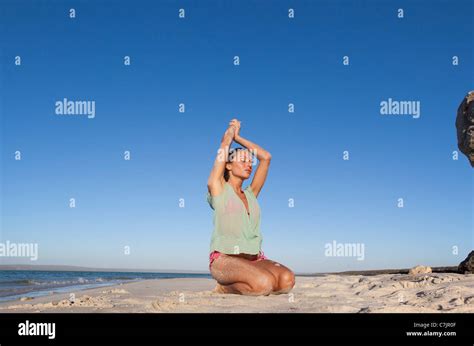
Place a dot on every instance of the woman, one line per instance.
(236, 261)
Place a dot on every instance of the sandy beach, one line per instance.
(398, 293)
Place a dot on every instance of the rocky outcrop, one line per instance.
(419, 270)
(467, 266)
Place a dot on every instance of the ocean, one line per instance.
(15, 284)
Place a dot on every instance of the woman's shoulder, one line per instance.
(220, 197)
(249, 189)
(217, 188)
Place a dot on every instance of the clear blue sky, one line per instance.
(135, 203)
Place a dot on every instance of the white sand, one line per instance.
(329, 293)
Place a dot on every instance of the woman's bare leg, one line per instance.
(240, 276)
(284, 277)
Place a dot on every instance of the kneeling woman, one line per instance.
(236, 260)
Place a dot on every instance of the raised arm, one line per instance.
(215, 182)
(264, 158)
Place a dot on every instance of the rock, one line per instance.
(469, 300)
(23, 299)
(467, 266)
(364, 310)
(419, 270)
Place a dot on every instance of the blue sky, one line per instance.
(136, 203)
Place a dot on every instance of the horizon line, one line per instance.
(59, 268)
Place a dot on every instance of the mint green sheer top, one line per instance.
(235, 231)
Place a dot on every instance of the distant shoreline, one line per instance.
(45, 267)
(20, 267)
(452, 269)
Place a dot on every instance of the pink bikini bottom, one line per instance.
(215, 254)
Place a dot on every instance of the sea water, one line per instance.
(34, 283)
